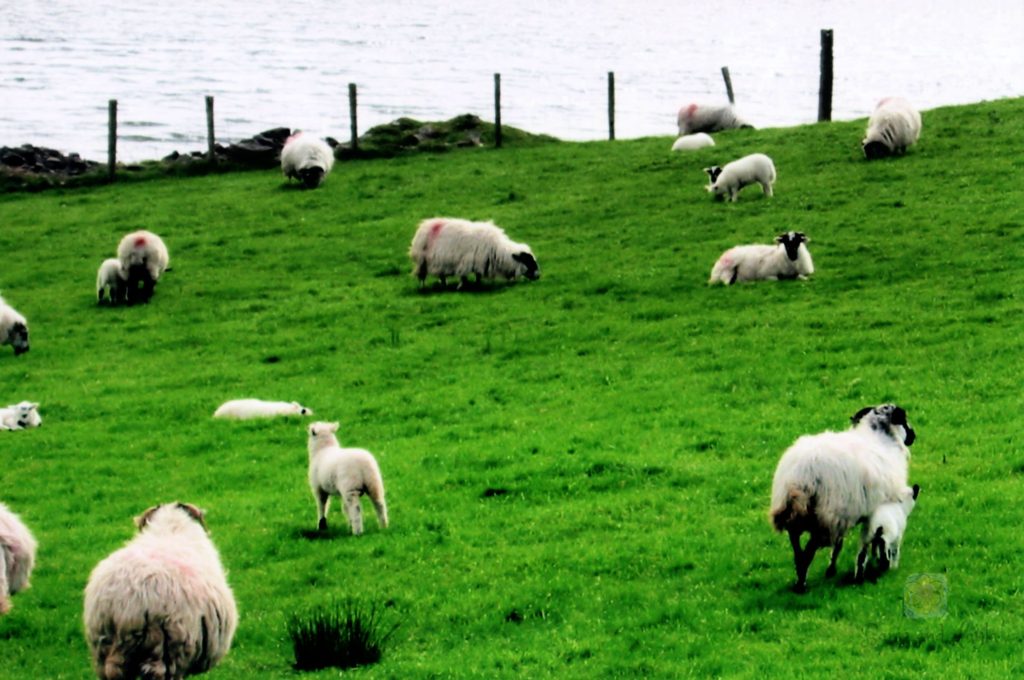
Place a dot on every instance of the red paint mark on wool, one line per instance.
(691, 109)
(435, 229)
(140, 242)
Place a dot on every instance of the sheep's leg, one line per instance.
(463, 281)
(5, 601)
(831, 570)
(322, 500)
(803, 558)
(444, 280)
(354, 511)
(862, 559)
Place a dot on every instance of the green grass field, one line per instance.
(578, 469)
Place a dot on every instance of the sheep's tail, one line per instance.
(153, 653)
(724, 271)
(797, 504)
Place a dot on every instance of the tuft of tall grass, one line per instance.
(341, 634)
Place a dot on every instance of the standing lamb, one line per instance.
(20, 416)
(244, 409)
(306, 159)
(112, 280)
(698, 140)
(447, 246)
(348, 473)
(13, 328)
(787, 259)
(143, 258)
(894, 125)
(826, 483)
(883, 534)
(17, 556)
(755, 168)
(160, 607)
(709, 118)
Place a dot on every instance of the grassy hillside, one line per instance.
(577, 469)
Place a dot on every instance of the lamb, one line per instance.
(698, 140)
(20, 416)
(826, 483)
(244, 409)
(348, 473)
(893, 126)
(112, 281)
(17, 557)
(709, 118)
(306, 159)
(447, 246)
(788, 259)
(883, 534)
(160, 607)
(13, 328)
(755, 168)
(143, 258)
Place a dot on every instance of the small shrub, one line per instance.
(342, 634)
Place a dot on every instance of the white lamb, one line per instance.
(244, 409)
(17, 556)
(13, 328)
(447, 246)
(709, 118)
(20, 416)
(143, 258)
(306, 159)
(348, 473)
(160, 607)
(893, 126)
(787, 259)
(826, 483)
(111, 281)
(756, 168)
(883, 534)
(698, 140)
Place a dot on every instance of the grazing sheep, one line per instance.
(244, 409)
(447, 246)
(883, 534)
(13, 328)
(893, 126)
(692, 142)
(348, 473)
(17, 556)
(20, 416)
(160, 607)
(709, 118)
(306, 159)
(787, 259)
(755, 168)
(826, 483)
(112, 281)
(143, 258)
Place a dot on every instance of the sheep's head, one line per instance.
(311, 177)
(791, 240)
(302, 410)
(876, 149)
(168, 510)
(18, 337)
(713, 172)
(321, 434)
(28, 416)
(888, 418)
(526, 265)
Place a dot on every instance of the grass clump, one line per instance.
(341, 635)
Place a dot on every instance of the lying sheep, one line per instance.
(112, 281)
(755, 168)
(306, 159)
(13, 328)
(709, 118)
(893, 126)
(17, 556)
(698, 140)
(447, 246)
(348, 473)
(160, 607)
(826, 483)
(883, 533)
(143, 258)
(244, 409)
(787, 259)
(20, 416)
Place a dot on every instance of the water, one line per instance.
(289, 64)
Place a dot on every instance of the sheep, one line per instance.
(244, 409)
(160, 607)
(13, 328)
(709, 118)
(893, 126)
(17, 557)
(111, 280)
(348, 473)
(826, 483)
(143, 258)
(698, 140)
(755, 168)
(447, 246)
(20, 416)
(787, 259)
(306, 159)
(883, 533)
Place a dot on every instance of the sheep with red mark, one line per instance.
(709, 118)
(144, 258)
(13, 328)
(893, 126)
(787, 259)
(17, 556)
(348, 473)
(306, 159)
(448, 246)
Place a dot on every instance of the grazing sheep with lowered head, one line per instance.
(13, 328)
(160, 607)
(244, 409)
(883, 533)
(20, 416)
(756, 168)
(306, 159)
(893, 126)
(447, 246)
(709, 118)
(698, 140)
(348, 473)
(17, 556)
(112, 281)
(787, 259)
(144, 259)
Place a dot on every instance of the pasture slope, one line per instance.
(577, 469)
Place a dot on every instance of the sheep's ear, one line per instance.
(780, 238)
(856, 417)
(142, 520)
(194, 512)
(917, 490)
(333, 427)
(898, 417)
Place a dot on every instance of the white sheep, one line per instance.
(306, 159)
(826, 483)
(20, 416)
(709, 118)
(883, 533)
(17, 556)
(244, 409)
(111, 281)
(698, 140)
(348, 473)
(893, 126)
(756, 168)
(160, 607)
(787, 259)
(144, 259)
(13, 328)
(447, 246)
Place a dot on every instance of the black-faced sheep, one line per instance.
(306, 159)
(111, 281)
(709, 118)
(787, 259)
(348, 473)
(244, 409)
(17, 556)
(446, 246)
(13, 328)
(893, 126)
(756, 168)
(144, 259)
(883, 533)
(20, 416)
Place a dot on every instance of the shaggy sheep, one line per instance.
(883, 534)
(160, 607)
(111, 280)
(893, 126)
(704, 118)
(348, 473)
(17, 557)
(697, 140)
(306, 159)
(143, 258)
(787, 259)
(446, 246)
(20, 416)
(244, 409)
(755, 168)
(826, 483)
(13, 328)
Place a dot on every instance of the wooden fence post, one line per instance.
(497, 110)
(111, 139)
(825, 90)
(352, 115)
(728, 84)
(611, 105)
(211, 140)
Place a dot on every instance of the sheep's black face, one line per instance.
(529, 265)
(713, 172)
(791, 241)
(19, 338)
(875, 150)
(887, 418)
(311, 177)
